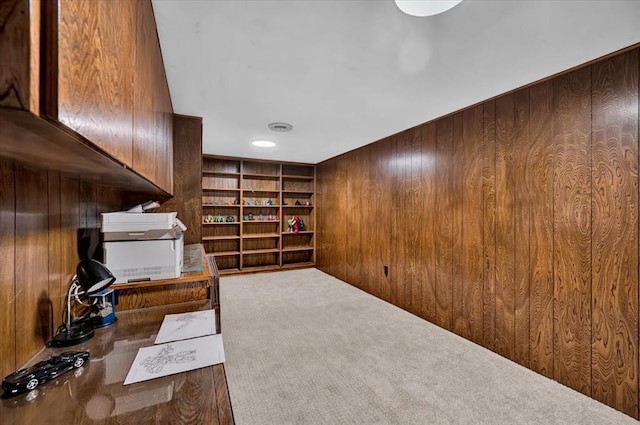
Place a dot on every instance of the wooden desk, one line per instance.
(95, 394)
(188, 287)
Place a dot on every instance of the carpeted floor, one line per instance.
(305, 348)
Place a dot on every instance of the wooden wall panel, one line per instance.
(444, 225)
(505, 227)
(540, 191)
(32, 271)
(527, 225)
(614, 232)
(456, 208)
(572, 230)
(7, 268)
(357, 200)
(414, 216)
(382, 230)
(472, 224)
(489, 224)
(427, 231)
(187, 199)
(522, 211)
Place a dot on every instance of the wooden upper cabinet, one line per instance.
(152, 109)
(95, 73)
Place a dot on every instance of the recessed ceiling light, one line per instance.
(425, 7)
(280, 127)
(263, 143)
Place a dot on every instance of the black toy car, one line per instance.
(29, 378)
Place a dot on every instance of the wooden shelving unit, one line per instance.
(258, 198)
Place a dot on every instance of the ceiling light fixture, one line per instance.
(263, 143)
(425, 7)
(280, 127)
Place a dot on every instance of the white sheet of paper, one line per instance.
(175, 357)
(186, 325)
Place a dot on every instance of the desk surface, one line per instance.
(95, 394)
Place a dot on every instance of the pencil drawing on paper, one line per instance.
(155, 364)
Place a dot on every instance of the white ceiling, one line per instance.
(348, 73)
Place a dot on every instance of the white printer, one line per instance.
(141, 246)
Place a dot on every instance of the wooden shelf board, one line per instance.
(300, 192)
(260, 176)
(260, 235)
(296, 177)
(219, 238)
(220, 189)
(224, 253)
(261, 206)
(304, 232)
(221, 205)
(260, 251)
(261, 221)
(220, 173)
(276, 191)
(297, 206)
(260, 268)
(224, 223)
(303, 264)
(230, 271)
(298, 249)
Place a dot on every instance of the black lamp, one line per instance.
(91, 277)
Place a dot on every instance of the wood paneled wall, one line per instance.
(513, 223)
(41, 213)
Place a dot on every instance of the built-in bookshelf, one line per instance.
(258, 215)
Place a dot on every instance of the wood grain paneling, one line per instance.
(444, 225)
(146, 53)
(522, 211)
(614, 232)
(382, 230)
(188, 176)
(427, 229)
(14, 45)
(505, 227)
(95, 73)
(358, 198)
(527, 225)
(472, 224)
(540, 191)
(32, 269)
(572, 230)
(489, 224)
(457, 234)
(7, 268)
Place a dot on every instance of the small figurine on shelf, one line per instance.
(294, 224)
(258, 202)
(231, 219)
(269, 201)
(270, 217)
(219, 219)
(300, 224)
(249, 201)
(244, 202)
(298, 203)
(250, 216)
(244, 217)
(260, 216)
(236, 202)
(208, 218)
(307, 203)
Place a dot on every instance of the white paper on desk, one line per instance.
(186, 325)
(175, 357)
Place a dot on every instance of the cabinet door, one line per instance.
(152, 110)
(95, 73)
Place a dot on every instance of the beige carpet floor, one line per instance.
(305, 348)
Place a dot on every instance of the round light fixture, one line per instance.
(280, 127)
(425, 7)
(263, 143)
